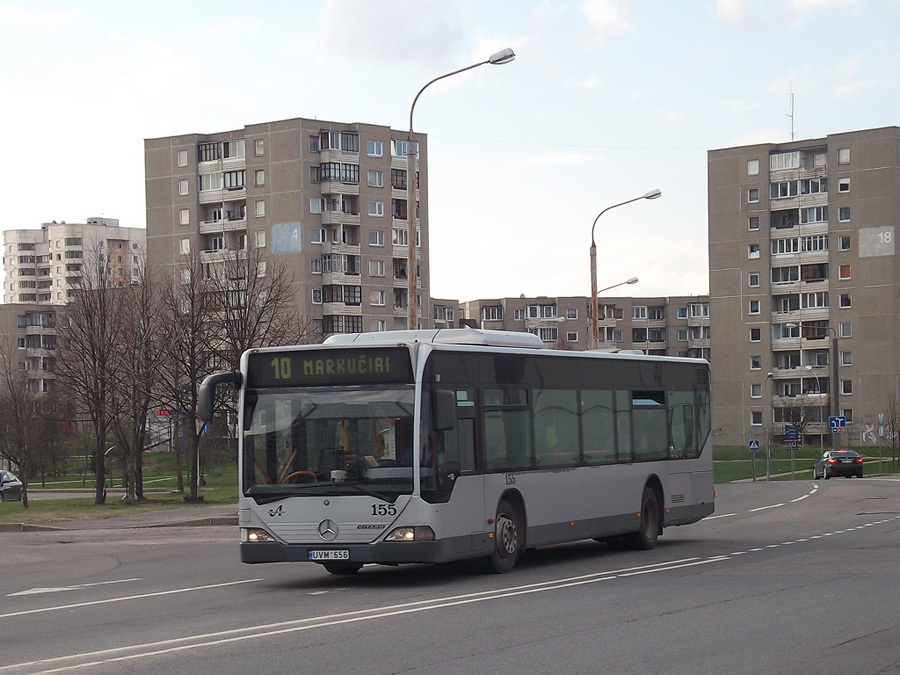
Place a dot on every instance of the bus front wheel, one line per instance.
(645, 538)
(507, 542)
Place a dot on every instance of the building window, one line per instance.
(210, 181)
(376, 268)
(259, 177)
(682, 335)
(259, 147)
(374, 148)
(398, 179)
(843, 155)
(752, 167)
(350, 142)
(843, 185)
(639, 312)
(182, 158)
(845, 301)
(318, 235)
(754, 307)
(184, 217)
(845, 329)
(844, 272)
(376, 298)
(847, 414)
(376, 178)
(317, 205)
(844, 242)
(571, 313)
(183, 187)
(755, 334)
(753, 195)
(814, 214)
(755, 363)
(846, 387)
(752, 251)
(259, 208)
(753, 223)
(400, 237)
(846, 358)
(755, 391)
(317, 296)
(756, 418)
(844, 214)
(259, 239)
(376, 237)
(376, 208)
(314, 144)
(753, 280)
(492, 313)
(784, 160)
(184, 246)
(571, 336)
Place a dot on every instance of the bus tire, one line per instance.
(645, 538)
(342, 568)
(507, 539)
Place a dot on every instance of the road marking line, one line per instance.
(61, 589)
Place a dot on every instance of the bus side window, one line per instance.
(598, 427)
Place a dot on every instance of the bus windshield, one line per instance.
(328, 440)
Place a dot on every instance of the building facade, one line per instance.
(327, 200)
(676, 326)
(805, 286)
(46, 265)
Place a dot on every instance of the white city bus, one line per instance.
(438, 445)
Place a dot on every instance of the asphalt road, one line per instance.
(784, 578)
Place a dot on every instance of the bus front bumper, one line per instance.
(385, 553)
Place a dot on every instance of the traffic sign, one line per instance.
(837, 423)
(791, 432)
(754, 445)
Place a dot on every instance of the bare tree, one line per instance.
(890, 430)
(87, 347)
(20, 421)
(138, 356)
(213, 313)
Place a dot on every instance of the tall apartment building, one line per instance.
(327, 200)
(45, 266)
(805, 285)
(677, 326)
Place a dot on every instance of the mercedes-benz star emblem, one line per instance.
(328, 530)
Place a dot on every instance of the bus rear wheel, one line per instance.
(645, 538)
(507, 539)
(342, 568)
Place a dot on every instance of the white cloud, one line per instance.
(851, 89)
(606, 18)
(808, 6)
(15, 16)
(588, 82)
(558, 158)
(731, 11)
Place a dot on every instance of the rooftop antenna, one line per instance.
(791, 114)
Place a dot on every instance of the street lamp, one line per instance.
(632, 280)
(768, 414)
(821, 409)
(653, 194)
(498, 59)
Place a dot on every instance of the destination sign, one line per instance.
(320, 367)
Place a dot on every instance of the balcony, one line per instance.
(227, 225)
(340, 218)
(222, 255)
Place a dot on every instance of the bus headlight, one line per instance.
(255, 535)
(419, 533)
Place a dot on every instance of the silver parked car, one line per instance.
(10, 487)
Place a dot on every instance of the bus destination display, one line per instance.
(320, 367)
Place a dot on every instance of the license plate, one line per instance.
(342, 554)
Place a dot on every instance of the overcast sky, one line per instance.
(606, 100)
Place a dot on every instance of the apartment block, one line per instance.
(805, 286)
(46, 265)
(676, 326)
(28, 336)
(327, 200)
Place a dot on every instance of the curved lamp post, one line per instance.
(653, 194)
(498, 59)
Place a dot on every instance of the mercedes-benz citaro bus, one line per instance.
(431, 446)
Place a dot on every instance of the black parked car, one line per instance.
(10, 487)
(838, 463)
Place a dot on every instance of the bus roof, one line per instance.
(445, 336)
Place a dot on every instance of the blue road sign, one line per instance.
(837, 423)
(754, 445)
(791, 432)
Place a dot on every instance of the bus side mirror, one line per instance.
(443, 413)
(207, 394)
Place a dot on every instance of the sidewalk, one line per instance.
(186, 516)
